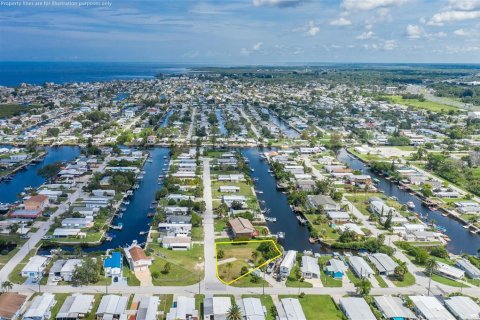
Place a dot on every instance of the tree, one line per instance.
(364, 287)
(220, 254)
(234, 313)
(50, 170)
(53, 132)
(166, 268)
(7, 286)
(427, 190)
(430, 267)
(87, 272)
(13, 228)
(400, 271)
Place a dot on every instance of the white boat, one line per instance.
(271, 219)
(259, 191)
(410, 205)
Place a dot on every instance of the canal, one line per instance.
(462, 241)
(221, 122)
(284, 127)
(296, 235)
(164, 121)
(9, 190)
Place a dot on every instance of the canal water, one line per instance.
(164, 120)
(9, 190)
(221, 122)
(462, 241)
(296, 235)
(283, 126)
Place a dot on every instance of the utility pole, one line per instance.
(199, 287)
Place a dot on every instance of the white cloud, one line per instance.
(465, 5)
(257, 46)
(441, 18)
(461, 33)
(312, 29)
(369, 4)
(414, 31)
(389, 45)
(277, 3)
(366, 35)
(340, 22)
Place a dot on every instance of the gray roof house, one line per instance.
(328, 204)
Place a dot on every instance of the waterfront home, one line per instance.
(294, 169)
(429, 308)
(426, 236)
(68, 232)
(86, 222)
(184, 175)
(179, 197)
(104, 193)
(136, 257)
(448, 271)
(112, 307)
(307, 185)
(216, 307)
(291, 309)
(381, 209)
(287, 263)
(40, 307)
(338, 216)
(302, 176)
(68, 268)
(112, 266)
(230, 199)
(85, 211)
(351, 227)
(174, 210)
(470, 270)
(392, 308)
(360, 267)
(12, 305)
(174, 229)
(76, 307)
(463, 308)
(242, 228)
(25, 214)
(413, 227)
(231, 177)
(176, 242)
(336, 268)
(229, 189)
(467, 207)
(148, 308)
(35, 267)
(356, 309)
(310, 268)
(253, 309)
(51, 194)
(445, 193)
(384, 264)
(37, 202)
(322, 201)
(183, 309)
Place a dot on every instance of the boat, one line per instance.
(281, 235)
(143, 233)
(259, 191)
(271, 219)
(445, 214)
(394, 198)
(150, 160)
(119, 226)
(466, 226)
(164, 157)
(411, 205)
(150, 215)
(252, 170)
(126, 202)
(307, 252)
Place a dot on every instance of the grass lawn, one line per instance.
(16, 276)
(245, 189)
(293, 282)
(353, 278)
(240, 255)
(219, 225)
(446, 281)
(329, 281)
(131, 278)
(267, 302)
(60, 297)
(199, 304)
(8, 110)
(330, 233)
(248, 282)
(91, 315)
(197, 233)
(408, 280)
(381, 282)
(426, 105)
(166, 302)
(318, 307)
(185, 266)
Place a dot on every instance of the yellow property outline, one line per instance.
(240, 242)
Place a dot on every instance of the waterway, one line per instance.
(9, 190)
(296, 235)
(462, 241)
(221, 122)
(165, 119)
(284, 127)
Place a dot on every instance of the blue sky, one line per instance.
(238, 32)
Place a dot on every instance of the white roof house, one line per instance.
(147, 309)
(184, 310)
(288, 262)
(75, 307)
(448, 271)
(253, 309)
(430, 308)
(470, 270)
(293, 309)
(221, 305)
(112, 305)
(35, 266)
(310, 267)
(66, 272)
(356, 309)
(360, 267)
(40, 307)
(463, 308)
(383, 263)
(393, 308)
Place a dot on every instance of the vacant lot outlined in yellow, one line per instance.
(250, 271)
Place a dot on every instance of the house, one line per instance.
(68, 268)
(11, 305)
(229, 189)
(429, 308)
(147, 309)
(448, 271)
(242, 228)
(310, 268)
(392, 308)
(325, 202)
(26, 214)
(384, 264)
(287, 263)
(40, 307)
(177, 242)
(230, 199)
(75, 307)
(183, 309)
(380, 208)
(292, 309)
(86, 222)
(136, 257)
(219, 307)
(470, 270)
(67, 232)
(306, 185)
(336, 268)
(35, 267)
(360, 267)
(112, 307)
(253, 309)
(338, 216)
(112, 266)
(463, 308)
(356, 309)
(37, 202)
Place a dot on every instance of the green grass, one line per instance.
(446, 281)
(166, 302)
(8, 110)
(91, 315)
(131, 278)
(60, 299)
(247, 282)
(426, 105)
(353, 278)
(408, 280)
(293, 282)
(318, 307)
(16, 276)
(197, 233)
(381, 282)
(199, 304)
(329, 281)
(219, 225)
(266, 301)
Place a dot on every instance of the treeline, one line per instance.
(468, 94)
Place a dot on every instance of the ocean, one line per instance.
(15, 73)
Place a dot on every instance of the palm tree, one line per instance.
(234, 313)
(364, 287)
(7, 286)
(430, 267)
(401, 270)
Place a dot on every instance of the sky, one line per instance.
(240, 32)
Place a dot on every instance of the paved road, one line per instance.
(254, 129)
(192, 123)
(211, 281)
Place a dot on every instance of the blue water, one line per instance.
(29, 178)
(221, 122)
(14, 73)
